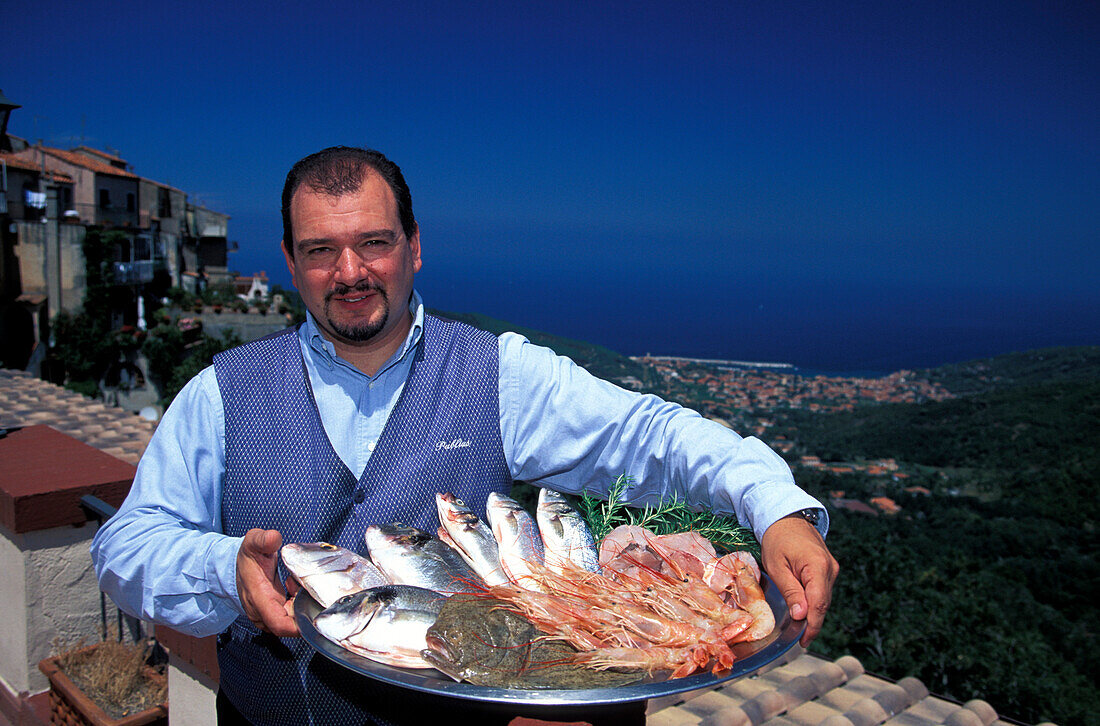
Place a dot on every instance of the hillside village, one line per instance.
(158, 238)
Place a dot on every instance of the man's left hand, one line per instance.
(796, 559)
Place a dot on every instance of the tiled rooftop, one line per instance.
(26, 401)
(19, 163)
(799, 689)
(88, 162)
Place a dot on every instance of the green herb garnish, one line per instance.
(666, 517)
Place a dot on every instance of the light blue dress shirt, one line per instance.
(163, 557)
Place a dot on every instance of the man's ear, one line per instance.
(289, 261)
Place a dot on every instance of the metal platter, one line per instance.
(750, 658)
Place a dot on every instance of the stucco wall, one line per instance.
(13, 637)
(37, 258)
(48, 577)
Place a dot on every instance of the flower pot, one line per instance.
(69, 706)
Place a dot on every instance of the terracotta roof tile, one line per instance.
(27, 401)
(19, 163)
(801, 689)
(88, 162)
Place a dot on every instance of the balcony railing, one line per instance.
(134, 273)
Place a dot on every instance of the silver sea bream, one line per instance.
(410, 556)
(462, 529)
(387, 624)
(565, 534)
(329, 572)
(519, 542)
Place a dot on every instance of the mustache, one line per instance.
(364, 286)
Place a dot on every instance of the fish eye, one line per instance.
(459, 502)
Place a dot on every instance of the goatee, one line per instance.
(359, 331)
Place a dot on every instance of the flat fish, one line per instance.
(410, 556)
(565, 535)
(470, 537)
(480, 641)
(520, 544)
(387, 624)
(328, 572)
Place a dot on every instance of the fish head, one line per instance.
(307, 558)
(350, 614)
(453, 512)
(395, 534)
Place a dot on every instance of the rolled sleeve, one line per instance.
(569, 430)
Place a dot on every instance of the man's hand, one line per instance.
(265, 602)
(798, 562)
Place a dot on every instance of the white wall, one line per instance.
(50, 599)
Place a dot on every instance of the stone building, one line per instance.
(49, 197)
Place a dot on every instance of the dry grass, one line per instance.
(115, 676)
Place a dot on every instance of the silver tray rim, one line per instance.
(751, 657)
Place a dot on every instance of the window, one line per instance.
(131, 203)
(104, 198)
(164, 203)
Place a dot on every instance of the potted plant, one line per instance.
(106, 684)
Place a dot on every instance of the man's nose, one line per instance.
(350, 267)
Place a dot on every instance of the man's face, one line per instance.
(352, 264)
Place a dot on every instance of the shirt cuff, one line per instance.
(221, 573)
(768, 511)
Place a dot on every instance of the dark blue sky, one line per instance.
(841, 185)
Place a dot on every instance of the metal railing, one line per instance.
(134, 273)
(101, 511)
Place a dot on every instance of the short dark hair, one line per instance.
(340, 170)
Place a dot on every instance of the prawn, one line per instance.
(733, 575)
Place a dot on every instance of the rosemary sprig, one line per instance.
(666, 517)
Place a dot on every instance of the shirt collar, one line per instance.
(326, 351)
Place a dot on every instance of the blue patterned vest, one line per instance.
(282, 473)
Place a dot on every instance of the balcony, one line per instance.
(134, 273)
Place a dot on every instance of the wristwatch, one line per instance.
(811, 515)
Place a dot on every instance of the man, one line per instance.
(359, 417)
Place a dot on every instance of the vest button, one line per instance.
(359, 497)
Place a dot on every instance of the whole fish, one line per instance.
(517, 534)
(471, 538)
(409, 556)
(565, 535)
(387, 624)
(329, 572)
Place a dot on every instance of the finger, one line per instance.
(819, 588)
(262, 542)
(791, 589)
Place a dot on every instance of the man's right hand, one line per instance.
(265, 601)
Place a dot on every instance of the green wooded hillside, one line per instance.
(599, 361)
(987, 587)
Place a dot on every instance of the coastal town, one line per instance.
(745, 392)
(757, 399)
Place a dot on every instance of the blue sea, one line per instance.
(839, 322)
(848, 329)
